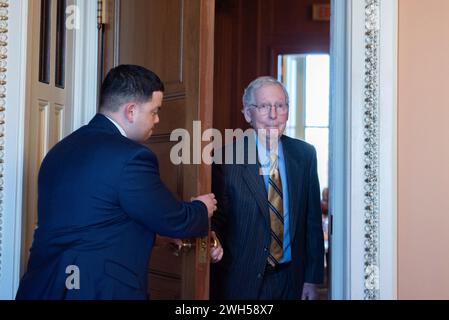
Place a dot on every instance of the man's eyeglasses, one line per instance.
(155, 112)
(264, 109)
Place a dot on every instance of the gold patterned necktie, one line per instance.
(276, 210)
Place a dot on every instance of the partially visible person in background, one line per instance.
(325, 218)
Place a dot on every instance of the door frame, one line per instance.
(205, 115)
(349, 266)
(81, 79)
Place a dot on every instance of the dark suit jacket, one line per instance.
(242, 224)
(101, 202)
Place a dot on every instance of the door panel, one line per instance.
(171, 174)
(158, 30)
(171, 37)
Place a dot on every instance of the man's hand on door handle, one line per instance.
(216, 252)
(210, 202)
(177, 245)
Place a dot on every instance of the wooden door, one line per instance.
(48, 114)
(174, 38)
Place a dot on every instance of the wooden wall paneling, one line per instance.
(225, 70)
(248, 55)
(265, 28)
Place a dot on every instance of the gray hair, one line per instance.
(248, 95)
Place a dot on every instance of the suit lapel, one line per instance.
(257, 186)
(295, 179)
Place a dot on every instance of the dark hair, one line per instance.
(128, 83)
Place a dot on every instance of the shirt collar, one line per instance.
(263, 154)
(118, 126)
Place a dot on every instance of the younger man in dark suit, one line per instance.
(101, 200)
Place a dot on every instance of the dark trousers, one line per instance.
(278, 286)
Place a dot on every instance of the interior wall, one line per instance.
(423, 151)
(249, 34)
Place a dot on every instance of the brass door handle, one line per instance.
(185, 246)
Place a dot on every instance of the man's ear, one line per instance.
(247, 114)
(129, 112)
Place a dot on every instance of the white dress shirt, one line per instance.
(118, 126)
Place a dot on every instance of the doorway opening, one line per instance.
(307, 79)
(289, 40)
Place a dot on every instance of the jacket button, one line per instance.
(259, 276)
(265, 249)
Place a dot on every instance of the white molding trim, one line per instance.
(347, 150)
(356, 147)
(14, 146)
(388, 53)
(339, 152)
(83, 43)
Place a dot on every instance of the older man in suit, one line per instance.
(101, 200)
(269, 217)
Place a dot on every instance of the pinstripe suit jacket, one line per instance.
(242, 224)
